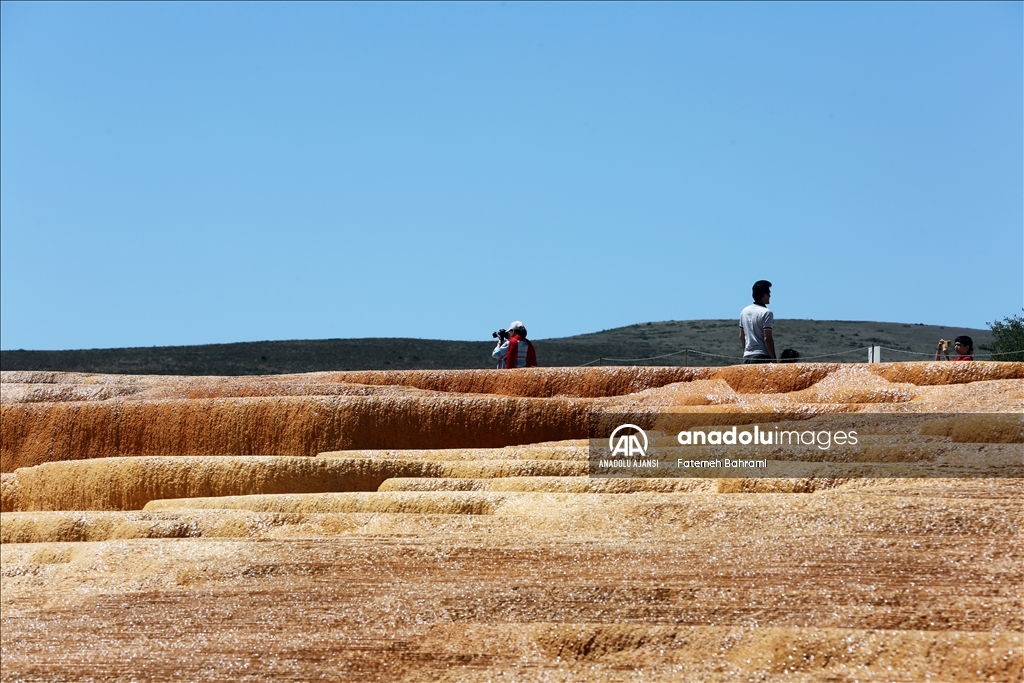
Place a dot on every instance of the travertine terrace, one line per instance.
(442, 525)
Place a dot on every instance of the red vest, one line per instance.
(512, 359)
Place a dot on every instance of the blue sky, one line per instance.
(202, 173)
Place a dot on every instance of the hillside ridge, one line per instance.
(675, 342)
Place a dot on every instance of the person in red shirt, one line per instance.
(963, 347)
(517, 351)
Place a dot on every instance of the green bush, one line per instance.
(1008, 339)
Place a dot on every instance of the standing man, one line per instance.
(756, 323)
(516, 351)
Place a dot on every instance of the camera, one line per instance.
(500, 334)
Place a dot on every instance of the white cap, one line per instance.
(516, 325)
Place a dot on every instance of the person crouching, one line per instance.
(516, 351)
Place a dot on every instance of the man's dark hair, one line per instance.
(790, 356)
(760, 288)
(966, 341)
(521, 331)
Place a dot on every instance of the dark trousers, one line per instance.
(760, 358)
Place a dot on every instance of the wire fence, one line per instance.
(975, 354)
(687, 352)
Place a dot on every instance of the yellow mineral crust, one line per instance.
(441, 525)
(542, 484)
(131, 483)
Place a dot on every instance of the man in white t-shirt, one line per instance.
(756, 323)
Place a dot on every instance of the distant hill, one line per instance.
(709, 342)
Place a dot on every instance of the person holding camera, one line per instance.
(962, 345)
(514, 350)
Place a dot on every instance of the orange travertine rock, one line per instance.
(536, 382)
(543, 484)
(441, 525)
(131, 483)
(52, 416)
(34, 433)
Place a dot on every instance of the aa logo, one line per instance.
(628, 445)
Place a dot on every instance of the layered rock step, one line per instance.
(445, 526)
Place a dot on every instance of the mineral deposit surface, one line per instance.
(442, 525)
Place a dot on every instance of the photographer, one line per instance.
(514, 350)
(962, 345)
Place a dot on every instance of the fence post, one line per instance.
(874, 354)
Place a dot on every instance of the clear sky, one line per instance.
(190, 173)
